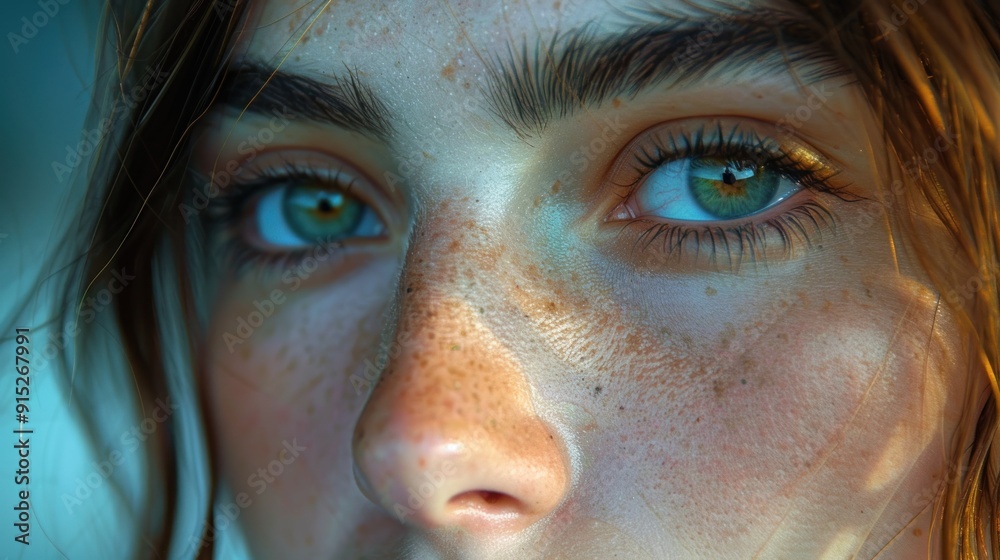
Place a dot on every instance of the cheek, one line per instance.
(825, 406)
(730, 409)
(290, 380)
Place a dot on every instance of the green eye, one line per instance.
(707, 189)
(303, 212)
(315, 213)
(731, 189)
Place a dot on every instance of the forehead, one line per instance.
(456, 39)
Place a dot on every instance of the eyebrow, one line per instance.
(345, 101)
(580, 68)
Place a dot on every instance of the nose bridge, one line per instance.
(449, 435)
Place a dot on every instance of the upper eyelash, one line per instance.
(223, 215)
(748, 235)
(736, 144)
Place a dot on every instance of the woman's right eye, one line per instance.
(305, 212)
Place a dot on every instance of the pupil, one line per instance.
(325, 205)
(728, 177)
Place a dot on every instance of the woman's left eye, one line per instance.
(704, 189)
(302, 213)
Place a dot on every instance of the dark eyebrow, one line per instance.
(581, 68)
(343, 101)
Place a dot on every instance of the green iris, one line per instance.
(728, 189)
(317, 214)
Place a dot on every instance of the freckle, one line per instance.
(719, 388)
(710, 291)
(448, 72)
(466, 85)
(422, 463)
(917, 532)
(621, 408)
(616, 103)
(556, 186)
(597, 390)
(727, 335)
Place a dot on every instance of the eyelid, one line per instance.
(791, 222)
(268, 169)
(701, 137)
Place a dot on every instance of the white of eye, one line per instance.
(273, 228)
(666, 192)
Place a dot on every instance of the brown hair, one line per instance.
(927, 67)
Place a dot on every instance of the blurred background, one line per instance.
(47, 57)
(45, 95)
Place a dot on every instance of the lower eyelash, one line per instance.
(739, 243)
(224, 218)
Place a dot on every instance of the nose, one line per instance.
(449, 436)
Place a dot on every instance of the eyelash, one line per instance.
(225, 214)
(749, 235)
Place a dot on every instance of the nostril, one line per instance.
(490, 497)
(486, 502)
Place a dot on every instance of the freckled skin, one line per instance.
(548, 390)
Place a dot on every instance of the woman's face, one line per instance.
(564, 279)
